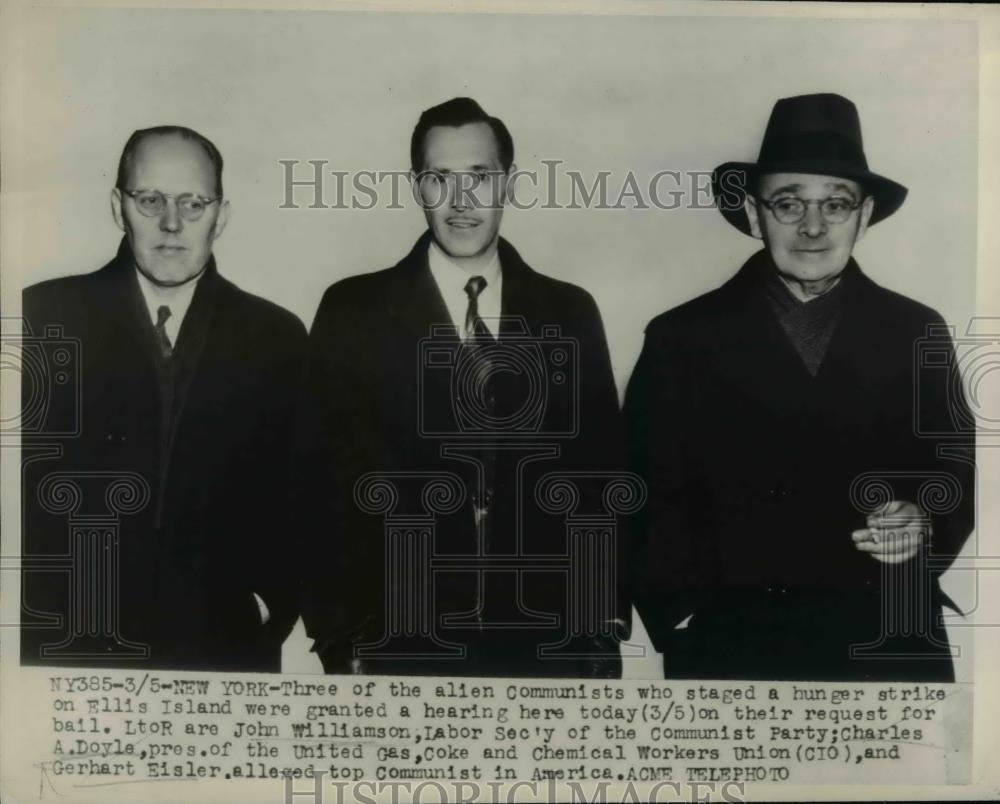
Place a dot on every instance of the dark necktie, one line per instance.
(162, 314)
(477, 341)
(475, 327)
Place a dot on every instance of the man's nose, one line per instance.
(170, 220)
(812, 225)
(459, 187)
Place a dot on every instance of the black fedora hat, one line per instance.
(819, 134)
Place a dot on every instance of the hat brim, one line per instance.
(730, 180)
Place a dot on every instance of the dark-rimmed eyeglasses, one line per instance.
(153, 203)
(791, 209)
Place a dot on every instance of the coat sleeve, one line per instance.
(668, 573)
(602, 397)
(276, 577)
(333, 412)
(946, 429)
(601, 424)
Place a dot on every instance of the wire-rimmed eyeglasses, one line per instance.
(791, 209)
(153, 203)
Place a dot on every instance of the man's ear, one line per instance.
(750, 207)
(221, 219)
(116, 208)
(867, 208)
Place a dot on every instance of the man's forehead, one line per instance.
(170, 162)
(465, 147)
(771, 183)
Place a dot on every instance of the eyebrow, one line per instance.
(173, 195)
(470, 169)
(836, 185)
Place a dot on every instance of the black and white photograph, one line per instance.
(599, 397)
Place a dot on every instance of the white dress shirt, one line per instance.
(451, 279)
(178, 299)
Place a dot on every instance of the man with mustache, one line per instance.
(792, 529)
(184, 402)
(461, 366)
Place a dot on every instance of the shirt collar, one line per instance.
(448, 273)
(178, 299)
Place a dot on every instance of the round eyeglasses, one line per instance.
(792, 209)
(153, 203)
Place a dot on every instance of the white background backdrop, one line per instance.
(598, 92)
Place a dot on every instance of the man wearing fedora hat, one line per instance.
(792, 530)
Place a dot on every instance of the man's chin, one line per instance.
(168, 276)
(811, 270)
(461, 250)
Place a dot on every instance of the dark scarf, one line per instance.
(809, 325)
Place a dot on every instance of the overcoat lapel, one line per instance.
(131, 325)
(849, 359)
(413, 309)
(754, 353)
(414, 303)
(194, 335)
(517, 301)
(760, 355)
(120, 298)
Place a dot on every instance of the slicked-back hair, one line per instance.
(454, 113)
(128, 152)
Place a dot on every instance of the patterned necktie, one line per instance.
(477, 342)
(162, 314)
(475, 327)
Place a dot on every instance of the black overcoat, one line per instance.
(201, 511)
(381, 396)
(758, 473)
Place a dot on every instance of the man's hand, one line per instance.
(895, 533)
